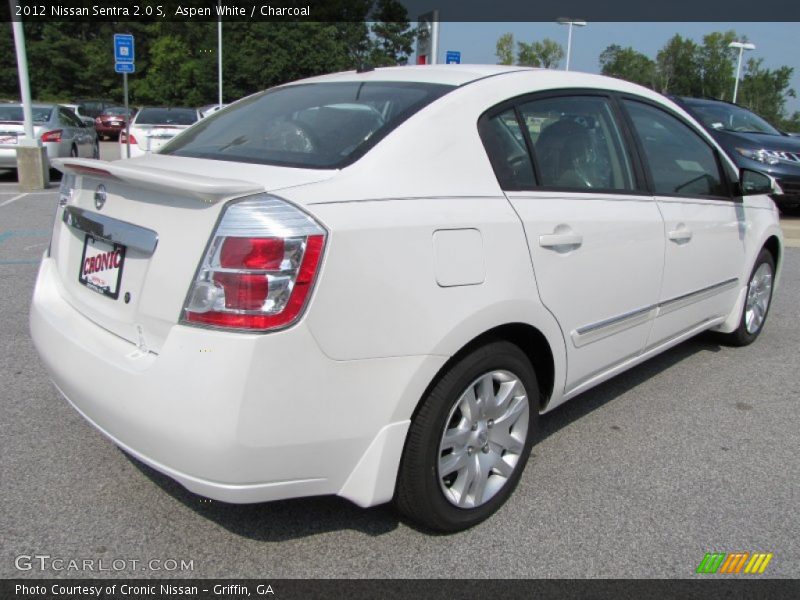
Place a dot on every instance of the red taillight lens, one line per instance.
(123, 138)
(252, 253)
(52, 136)
(262, 280)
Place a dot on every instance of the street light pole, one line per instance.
(219, 57)
(570, 23)
(742, 46)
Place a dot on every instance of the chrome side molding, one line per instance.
(112, 230)
(602, 329)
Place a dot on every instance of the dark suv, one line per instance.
(752, 143)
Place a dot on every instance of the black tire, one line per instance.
(419, 495)
(743, 337)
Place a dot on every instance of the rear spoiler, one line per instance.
(207, 189)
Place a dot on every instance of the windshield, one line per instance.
(14, 113)
(731, 118)
(313, 125)
(166, 116)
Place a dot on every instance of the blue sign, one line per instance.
(122, 67)
(453, 57)
(123, 48)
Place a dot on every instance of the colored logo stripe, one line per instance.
(733, 563)
(758, 563)
(711, 562)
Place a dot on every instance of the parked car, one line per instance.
(76, 108)
(61, 131)
(752, 143)
(151, 128)
(372, 284)
(112, 121)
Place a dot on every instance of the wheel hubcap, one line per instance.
(759, 292)
(483, 439)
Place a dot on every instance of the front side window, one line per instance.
(577, 143)
(313, 125)
(680, 161)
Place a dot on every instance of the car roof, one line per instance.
(444, 74)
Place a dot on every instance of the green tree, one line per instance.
(392, 36)
(716, 62)
(678, 68)
(547, 54)
(504, 50)
(764, 91)
(628, 64)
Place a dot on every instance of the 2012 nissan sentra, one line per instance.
(371, 284)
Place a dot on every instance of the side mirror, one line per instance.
(753, 183)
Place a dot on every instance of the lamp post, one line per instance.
(742, 46)
(572, 23)
(219, 58)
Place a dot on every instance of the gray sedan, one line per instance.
(61, 131)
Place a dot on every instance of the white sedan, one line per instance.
(372, 284)
(60, 130)
(152, 127)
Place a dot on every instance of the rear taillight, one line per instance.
(52, 136)
(123, 138)
(259, 268)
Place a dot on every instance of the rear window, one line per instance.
(114, 111)
(14, 113)
(166, 116)
(314, 125)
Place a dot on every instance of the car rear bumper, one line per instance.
(235, 417)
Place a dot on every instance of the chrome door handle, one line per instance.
(560, 239)
(680, 235)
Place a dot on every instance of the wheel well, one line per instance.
(773, 246)
(529, 339)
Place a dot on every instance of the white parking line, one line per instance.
(10, 200)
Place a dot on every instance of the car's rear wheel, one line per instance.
(470, 440)
(757, 302)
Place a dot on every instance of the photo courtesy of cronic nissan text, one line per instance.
(399, 299)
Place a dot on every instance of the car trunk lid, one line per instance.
(128, 241)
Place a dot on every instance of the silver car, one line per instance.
(61, 131)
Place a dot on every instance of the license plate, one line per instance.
(8, 139)
(101, 266)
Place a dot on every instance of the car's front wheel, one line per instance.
(757, 302)
(469, 442)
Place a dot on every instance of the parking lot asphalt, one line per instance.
(692, 452)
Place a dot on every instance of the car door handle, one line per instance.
(560, 239)
(681, 235)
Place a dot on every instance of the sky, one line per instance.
(777, 43)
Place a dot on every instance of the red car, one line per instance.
(111, 122)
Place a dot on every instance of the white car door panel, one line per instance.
(703, 224)
(701, 272)
(597, 260)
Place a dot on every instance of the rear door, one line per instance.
(703, 223)
(595, 238)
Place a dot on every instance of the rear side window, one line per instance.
(505, 145)
(577, 143)
(680, 161)
(314, 125)
(166, 116)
